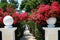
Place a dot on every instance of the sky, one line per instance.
(19, 1)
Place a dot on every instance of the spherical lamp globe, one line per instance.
(8, 21)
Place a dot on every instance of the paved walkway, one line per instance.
(28, 36)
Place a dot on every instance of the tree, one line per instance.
(4, 4)
(3, 0)
(14, 2)
(28, 5)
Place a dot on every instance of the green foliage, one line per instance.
(39, 33)
(3, 4)
(28, 5)
(20, 30)
(36, 30)
(14, 3)
(31, 24)
(4, 1)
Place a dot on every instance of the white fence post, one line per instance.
(8, 34)
(51, 33)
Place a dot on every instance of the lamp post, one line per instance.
(8, 32)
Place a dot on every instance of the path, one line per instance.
(27, 35)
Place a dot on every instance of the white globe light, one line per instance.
(51, 21)
(8, 20)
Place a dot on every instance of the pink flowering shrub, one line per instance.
(44, 12)
(39, 15)
(18, 17)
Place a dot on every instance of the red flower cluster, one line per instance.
(9, 9)
(1, 15)
(24, 16)
(16, 16)
(45, 11)
(19, 17)
(50, 10)
(36, 17)
(43, 8)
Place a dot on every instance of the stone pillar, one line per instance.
(51, 33)
(8, 33)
